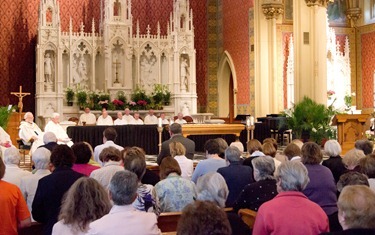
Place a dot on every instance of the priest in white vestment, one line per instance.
(54, 126)
(150, 118)
(30, 133)
(164, 120)
(127, 116)
(104, 119)
(137, 120)
(87, 118)
(5, 141)
(120, 120)
(180, 119)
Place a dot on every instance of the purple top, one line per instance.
(85, 169)
(321, 188)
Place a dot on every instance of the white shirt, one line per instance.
(125, 220)
(137, 122)
(165, 121)
(105, 174)
(182, 121)
(13, 174)
(119, 122)
(151, 119)
(4, 137)
(186, 166)
(98, 149)
(108, 121)
(62, 229)
(29, 185)
(27, 131)
(295, 158)
(129, 118)
(60, 133)
(89, 118)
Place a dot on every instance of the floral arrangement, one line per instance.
(330, 93)
(348, 100)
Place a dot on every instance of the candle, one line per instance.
(247, 121)
(251, 121)
(160, 123)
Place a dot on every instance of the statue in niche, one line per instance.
(117, 8)
(48, 68)
(184, 71)
(147, 72)
(80, 72)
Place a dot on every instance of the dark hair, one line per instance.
(254, 145)
(212, 146)
(82, 152)
(135, 161)
(62, 155)
(269, 149)
(365, 145)
(169, 165)
(311, 153)
(110, 153)
(110, 133)
(351, 178)
(175, 128)
(203, 217)
(2, 168)
(292, 150)
(367, 165)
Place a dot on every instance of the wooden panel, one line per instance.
(13, 126)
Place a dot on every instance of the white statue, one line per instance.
(48, 68)
(184, 74)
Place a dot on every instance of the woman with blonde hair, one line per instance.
(178, 152)
(351, 159)
(85, 202)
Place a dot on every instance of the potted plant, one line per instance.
(81, 98)
(69, 96)
(310, 118)
(5, 113)
(167, 95)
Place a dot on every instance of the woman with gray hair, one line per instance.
(212, 187)
(14, 173)
(291, 212)
(29, 184)
(261, 191)
(332, 148)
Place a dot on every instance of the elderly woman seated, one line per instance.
(212, 187)
(291, 212)
(261, 191)
(332, 148)
(173, 192)
(351, 159)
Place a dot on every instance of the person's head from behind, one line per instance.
(352, 157)
(177, 149)
(367, 166)
(311, 153)
(62, 156)
(82, 152)
(351, 178)
(298, 142)
(169, 165)
(264, 167)
(109, 134)
(175, 128)
(12, 156)
(356, 206)
(269, 149)
(232, 154)
(254, 145)
(212, 147)
(123, 188)
(291, 176)
(85, 201)
(110, 154)
(365, 145)
(41, 158)
(212, 187)
(202, 218)
(135, 161)
(223, 146)
(272, 141)
(292, 150)
(332, 148)
(49, 137)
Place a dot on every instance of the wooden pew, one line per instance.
(248, 216)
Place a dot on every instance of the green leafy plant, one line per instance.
(5, 113)
(69, 94)
(81, 98)
(309, 116)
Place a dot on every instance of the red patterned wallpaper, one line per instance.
(236, 42)
(368, 68)
(19, 21)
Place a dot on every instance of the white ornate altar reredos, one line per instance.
(118, 58)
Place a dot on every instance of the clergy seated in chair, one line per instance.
(137, 120)
(180, 119)
(30, 133)
(54, 126)
(74, 119)
(104, 119)
(87, 118)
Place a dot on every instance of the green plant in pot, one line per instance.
(311, 118)
(5, 113)
(81, 98)
(69, 96)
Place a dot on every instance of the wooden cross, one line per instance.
(116, 69)
(20, 96)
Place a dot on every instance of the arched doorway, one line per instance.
(227, 88)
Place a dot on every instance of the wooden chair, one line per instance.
(188, 119)
(248, 217)
(167, 221)
(74, 119)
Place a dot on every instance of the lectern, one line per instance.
(350, 128)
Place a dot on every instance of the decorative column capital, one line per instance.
(354, 14)
(321, 3)
(272, 9)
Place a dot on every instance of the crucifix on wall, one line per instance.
(20, 96)
(116, 70)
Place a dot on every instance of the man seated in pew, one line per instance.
(123, 217)
(109, 138)
(120, 120)
(30, 133)
(137, 120)
(87, 118)
(54, 126)
(104, 119)
(150, 118)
